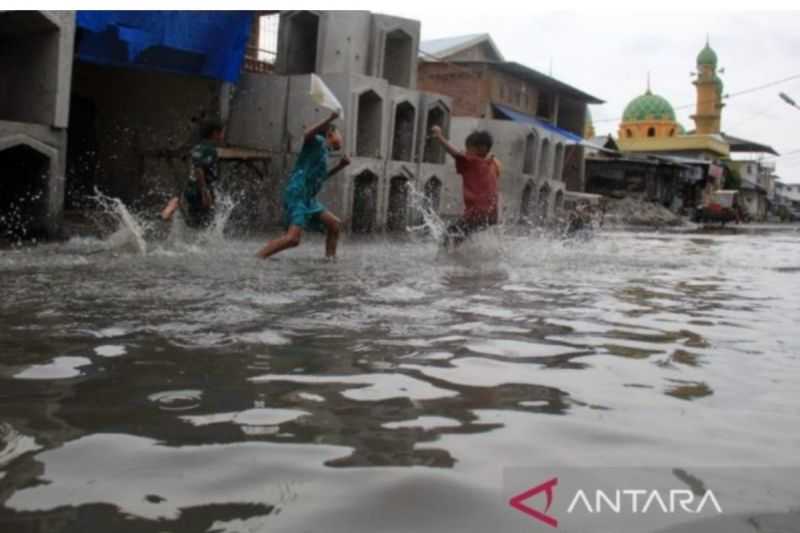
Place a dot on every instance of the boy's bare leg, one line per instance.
(170, 209)
(332, 231)
(289, 240)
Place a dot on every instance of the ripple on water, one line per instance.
(177, 400)
(398, 293)
(108, 333)
(121, 470)
(519, 349)
(268, 337)
(59, 368)
(424, 422)
(259, 416)
(372, 387)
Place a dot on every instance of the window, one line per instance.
(628, 133)
(651, 132)
(268, 37)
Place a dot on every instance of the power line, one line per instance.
(725, 97)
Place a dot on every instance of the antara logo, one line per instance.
(635, 501)
(548, 488)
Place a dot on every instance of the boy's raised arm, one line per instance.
(436, 131)
(343, 162)
(309, 134)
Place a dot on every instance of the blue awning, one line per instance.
(524, 118)
(210, 44)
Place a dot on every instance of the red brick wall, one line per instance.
(466, 85)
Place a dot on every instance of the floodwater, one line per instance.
(194, 388)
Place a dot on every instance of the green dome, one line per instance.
(648, 106)
(719, 84)
(681, 129)
(707, 56)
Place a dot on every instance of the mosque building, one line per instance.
(650, 139)
(649, 123)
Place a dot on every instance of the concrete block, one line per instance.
(395, 207)
(394, 48)
(443, 182)
(33, 159)
(358, 190)
(403, 120)
(538, 200)
(324, 42)
(36, 49)
(435, 110)
(258, 112)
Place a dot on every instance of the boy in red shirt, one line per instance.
(480, 171)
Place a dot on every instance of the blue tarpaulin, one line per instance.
(201, 43)
(524, 118)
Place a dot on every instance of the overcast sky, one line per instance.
(609, 55)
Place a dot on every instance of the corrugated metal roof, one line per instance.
(519, 70)
(447, 46)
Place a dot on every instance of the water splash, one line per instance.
(432, 224)
(131, 231)
(19, 221)
(223, 208)
(134, 231)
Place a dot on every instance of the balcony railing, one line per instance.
(255, 66)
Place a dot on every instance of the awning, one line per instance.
(210, 44)
(524, 118)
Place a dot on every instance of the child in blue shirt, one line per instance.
(301, 209)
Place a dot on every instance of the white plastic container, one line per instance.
(324, 97)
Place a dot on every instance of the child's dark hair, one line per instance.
(329, 128)
(480, 138)
(209, 127)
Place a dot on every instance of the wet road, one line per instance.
(195, 388)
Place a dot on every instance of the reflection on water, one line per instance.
(194, 388)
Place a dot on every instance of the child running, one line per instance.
(301, 209)
(480, 171)
(197, 199)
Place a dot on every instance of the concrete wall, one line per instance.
(36, 54)
(259, 112)
(36, 51)
(353, 42)
(404, 111)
